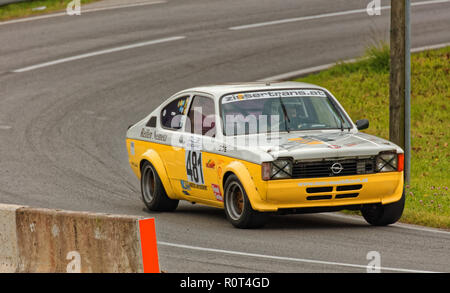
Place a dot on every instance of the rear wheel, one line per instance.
(238, 208)
(153, 193)
(383, 215)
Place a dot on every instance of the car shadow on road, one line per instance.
(315, 221)
(312, 221)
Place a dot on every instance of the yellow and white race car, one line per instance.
(261, 148)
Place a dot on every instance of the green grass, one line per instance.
(24, 9)
(363, 90)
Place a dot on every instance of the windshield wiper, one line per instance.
(342, 123)
(286, 117)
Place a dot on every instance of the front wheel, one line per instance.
(153, 193)
(383, 215)
(238, 208)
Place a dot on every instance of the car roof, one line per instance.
(219, 90)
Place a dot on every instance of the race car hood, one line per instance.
(317, 145)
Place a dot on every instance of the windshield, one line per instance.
(273, 111)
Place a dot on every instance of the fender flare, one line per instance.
(257, 202)
(153, 157)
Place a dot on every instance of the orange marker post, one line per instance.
(148, 246)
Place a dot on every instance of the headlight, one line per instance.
(279, 169)
(387, 162)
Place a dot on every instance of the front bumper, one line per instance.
(381, 188)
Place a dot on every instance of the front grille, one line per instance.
(324, 168)
(319, 189)
(349, 187)
(318, 197)
(347, 195)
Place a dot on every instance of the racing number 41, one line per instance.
(194, 168)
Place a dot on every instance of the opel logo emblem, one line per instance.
(336, 168)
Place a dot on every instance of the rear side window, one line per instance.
(171, 114)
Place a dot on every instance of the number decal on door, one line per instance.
(194, 168)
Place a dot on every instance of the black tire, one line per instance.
(383, 215)
(153, 193)
(238, 208)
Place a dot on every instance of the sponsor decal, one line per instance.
(344, 181)
(160, 137)
(182, 106)
(217, 193)
(305, 140)
(185, 185)
(193, 143)
(210, 164)
(272, 94)
(146, 133)
(197, 186)
(333, 146)
(222, 148)
(189, 185)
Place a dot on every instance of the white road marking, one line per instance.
(314, 69)
(26, 19)
(332, 14)
(5, 127)
(96, 53)
(397, 225)
(302, 72)
(281, 258)
(432, 47)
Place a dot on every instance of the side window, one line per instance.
(201, 117)
(171, 115)
(151, 122)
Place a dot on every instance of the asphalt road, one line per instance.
(63, 122)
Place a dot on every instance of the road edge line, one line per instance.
(57, 14)
(315, 69)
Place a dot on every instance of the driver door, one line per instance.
(199, 132)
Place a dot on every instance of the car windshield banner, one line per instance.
(272, 94)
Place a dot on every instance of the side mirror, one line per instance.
(362, 124)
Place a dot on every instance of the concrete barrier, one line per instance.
(9, 256)
(45, 240)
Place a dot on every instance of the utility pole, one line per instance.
(400, 82)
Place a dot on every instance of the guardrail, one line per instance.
(45, 240)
